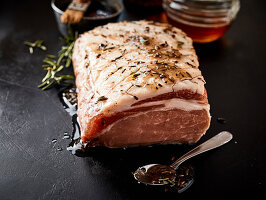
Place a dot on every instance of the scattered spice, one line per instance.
(167, 29)
(147, 29)
(158, 55)
(108, 48)
(144, 41)
(180, 43)
(116, 58)
(162, 76)
(102, 46)
(191, 65)
(135, 97)
(103, 121)
(165, 44)
(136, 75)
(135, 72)
(102, 98)
(156, 47)
(139, 62)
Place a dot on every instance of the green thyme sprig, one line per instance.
(37, 43)
(53, 66)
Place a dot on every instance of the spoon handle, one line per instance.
(216, 141)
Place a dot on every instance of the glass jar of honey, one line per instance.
(203, 20)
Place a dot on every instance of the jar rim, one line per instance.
(202, 15)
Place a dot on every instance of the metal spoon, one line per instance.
(156, 174)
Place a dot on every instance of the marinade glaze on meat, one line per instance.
(139, 84)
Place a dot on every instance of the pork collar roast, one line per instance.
(139, 84)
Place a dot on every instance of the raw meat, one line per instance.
(139, 84)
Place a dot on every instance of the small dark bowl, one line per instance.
(87, 23)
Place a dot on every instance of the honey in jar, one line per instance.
(204, 21)
(201, 34)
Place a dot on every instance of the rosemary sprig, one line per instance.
(37, 43)
(53, 66)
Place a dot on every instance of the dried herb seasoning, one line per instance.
(165, 44)
(147, 29)
(136, 75)
(102, 46)
(180, 43)
(102, 98)
(135, 97)
(117, 58)
(144, 41)
(108, 48)
(103, 121)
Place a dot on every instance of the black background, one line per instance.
(32, 168)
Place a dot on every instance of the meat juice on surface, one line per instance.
(68, 97)
(184, 176)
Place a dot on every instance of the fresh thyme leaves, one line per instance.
(37, 43)
(53, 66)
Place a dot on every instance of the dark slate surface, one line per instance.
(32, 168)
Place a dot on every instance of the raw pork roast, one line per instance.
(139, 84)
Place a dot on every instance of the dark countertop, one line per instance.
(32, 168)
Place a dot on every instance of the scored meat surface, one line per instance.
(139, 84)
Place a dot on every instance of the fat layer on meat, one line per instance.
(121, 64)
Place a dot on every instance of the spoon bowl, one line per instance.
(157, 174)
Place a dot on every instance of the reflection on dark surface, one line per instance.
(145, 7)
(212, 49)
(123, 161)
